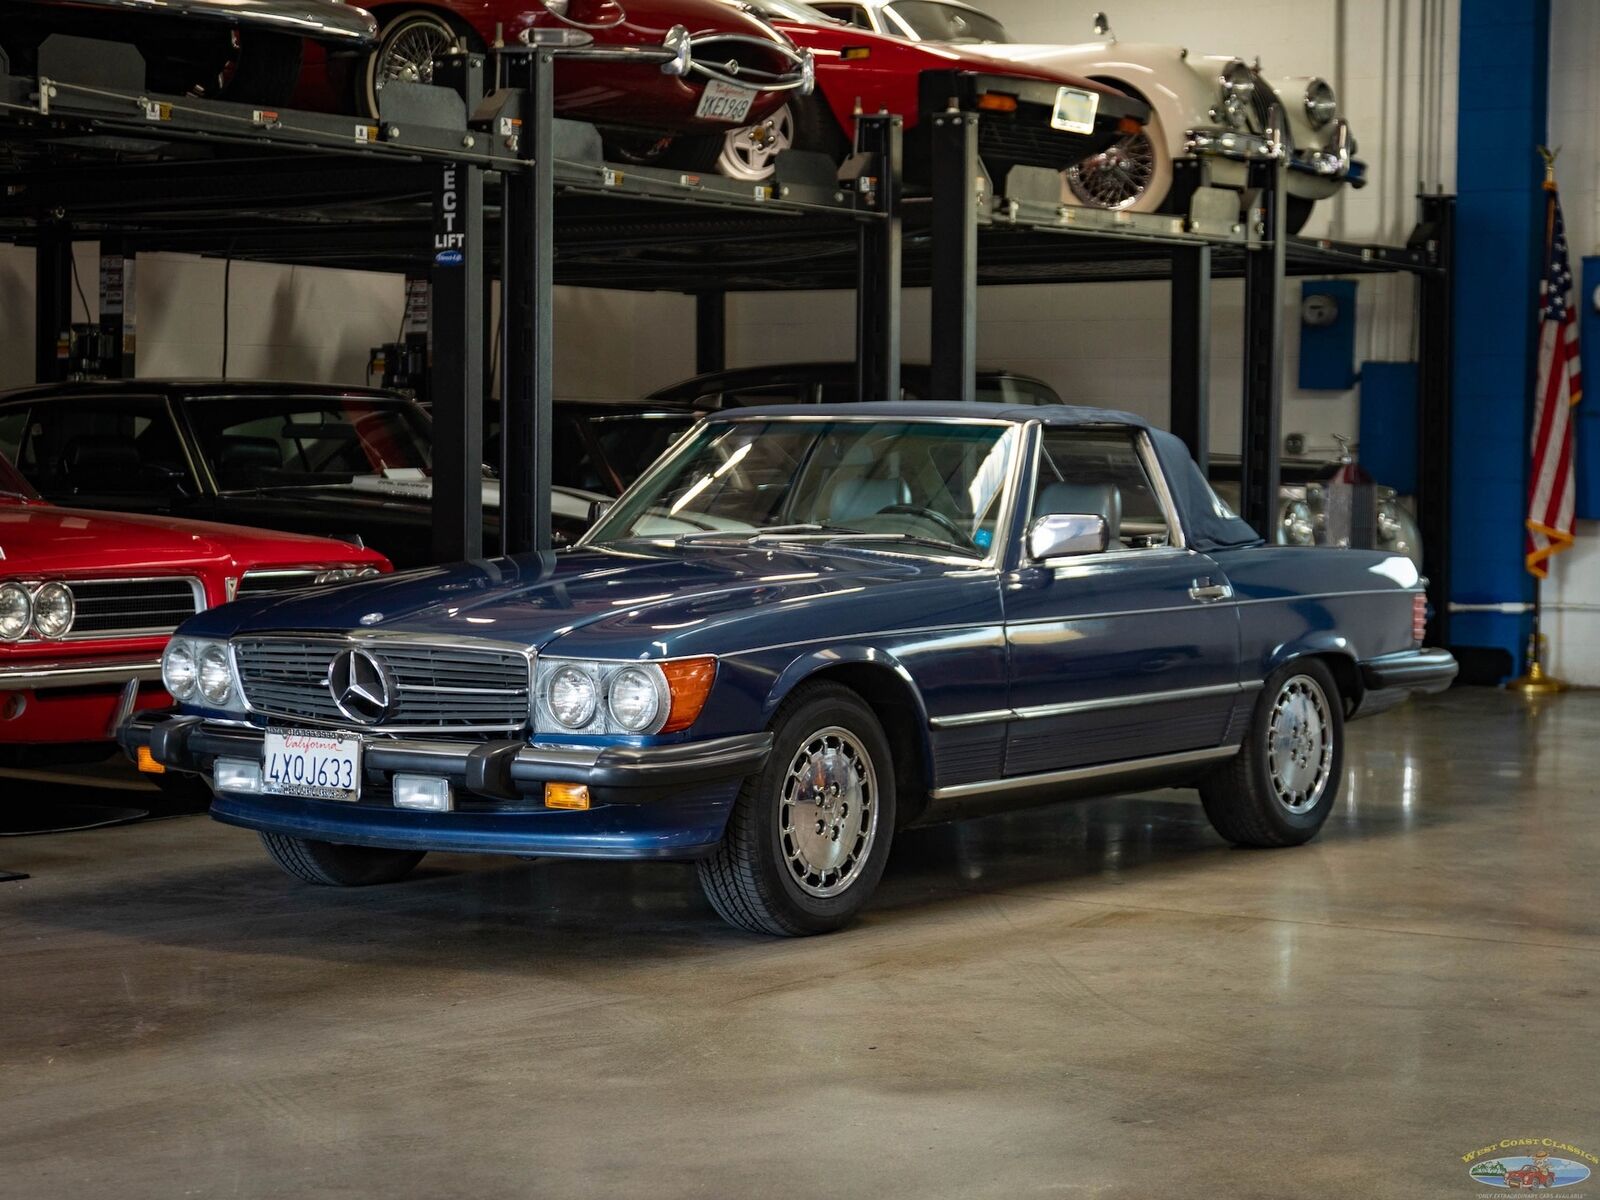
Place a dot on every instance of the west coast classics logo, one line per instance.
(1527, 1164)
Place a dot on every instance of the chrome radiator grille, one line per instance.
(112, 607)
(444, 688)
(257, 583)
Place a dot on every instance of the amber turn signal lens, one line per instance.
(147, 762)
(854, 53)
(689, 680)
(1128, 126)
(566, 795)
(997, 102)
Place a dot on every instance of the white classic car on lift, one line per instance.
(1209, 114)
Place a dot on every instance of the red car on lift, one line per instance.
(88, 600)
(1033, 116)
(638, 69)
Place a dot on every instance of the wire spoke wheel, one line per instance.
(1300, 744)
(748, 153)
(828, 813)
(1117, 177)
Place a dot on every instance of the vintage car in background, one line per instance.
(1036, 115)
(835, 383)
(639, 69)
(307, 458)
(246, 50)
(803, 630)
(88, 600)
(1208, 113)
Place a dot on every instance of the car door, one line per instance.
(111, 452)
(1130, 653)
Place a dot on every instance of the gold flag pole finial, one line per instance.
(1549, 157)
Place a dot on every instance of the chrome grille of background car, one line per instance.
(1262, 98)
(256, 583)
(460, 688)
(116, 607)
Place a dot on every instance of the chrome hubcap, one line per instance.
(748, 153)
(1116, 177)
(828, 816)
(410, 56)
(1300, 744)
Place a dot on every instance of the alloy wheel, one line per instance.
(828, 813)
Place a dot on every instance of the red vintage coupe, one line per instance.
(87, 601)
(632, 67)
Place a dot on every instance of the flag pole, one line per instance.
(1534, 681)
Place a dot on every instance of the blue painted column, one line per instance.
(1499, 241)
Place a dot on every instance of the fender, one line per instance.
(1312, 642)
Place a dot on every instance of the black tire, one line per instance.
(1296, 212)
(267, 70)
(814, 130)
(339, 866)
(414, 23)
(750, 879)
(1242, 798)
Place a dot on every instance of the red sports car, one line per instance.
(638, 69)
(1032, 115)
(87, 601)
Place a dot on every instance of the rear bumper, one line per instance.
(646, 802)
(1391, 678)
(1026, 136)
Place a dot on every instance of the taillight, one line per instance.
(1419, 617)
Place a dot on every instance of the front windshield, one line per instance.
(931, 21)
(928, 486)
(310, 441)
(792, 10)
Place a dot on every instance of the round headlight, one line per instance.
(178, 669)
(635, 698)
(1322, 106)
(1295, 525)
(215, 675)
(16, 611)
(53, 610)
(573, 697)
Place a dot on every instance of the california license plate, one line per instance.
(1075, 110)
(311, 763)
(725, 102)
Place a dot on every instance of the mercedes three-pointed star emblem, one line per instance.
(361, 686)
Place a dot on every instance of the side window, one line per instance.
(1101, 471)
(853, 14)
(12, 422)
(86, 446)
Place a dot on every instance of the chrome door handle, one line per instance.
(1210, 591)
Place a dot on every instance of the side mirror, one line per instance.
(598, 509)
(1057, 535)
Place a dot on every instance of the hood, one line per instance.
(643, 602)
(37, 536)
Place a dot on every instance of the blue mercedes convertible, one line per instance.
(799, 632)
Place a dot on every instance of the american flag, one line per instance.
(1552, 493)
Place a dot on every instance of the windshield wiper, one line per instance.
(913, 539)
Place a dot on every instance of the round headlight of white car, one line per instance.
(53, 610)
(1322, 105)
(1296, 526)
(178, 669)
(215, 675)
(573, 697)
(636, 698)
(16, 611)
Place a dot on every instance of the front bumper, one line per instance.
(646, 802)
(1333, 163)
(78, 673)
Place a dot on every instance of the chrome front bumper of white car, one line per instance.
(1333, 162)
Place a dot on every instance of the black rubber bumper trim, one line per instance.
(498, 770)
(938, 88)
(1430, 670)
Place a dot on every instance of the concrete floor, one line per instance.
(1098, 999)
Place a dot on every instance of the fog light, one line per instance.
(147, 762)
(236, 775)
(566, 795)
(425, 793)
